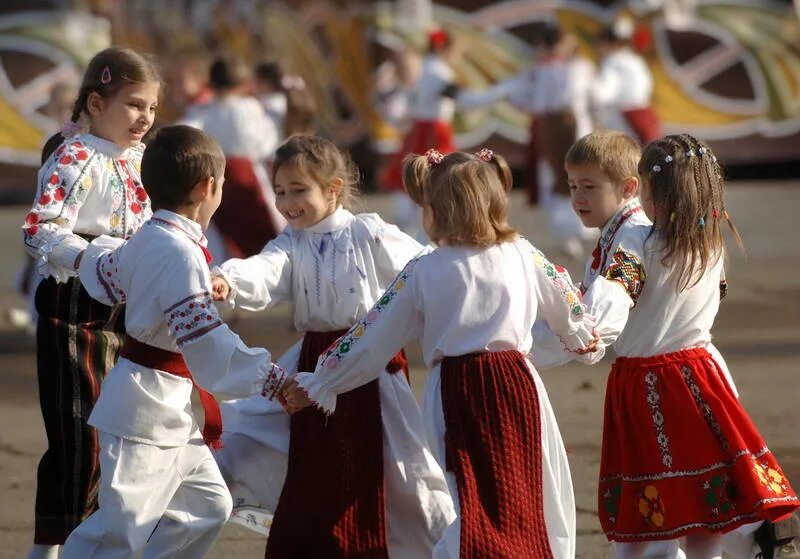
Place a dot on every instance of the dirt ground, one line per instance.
(758, 332)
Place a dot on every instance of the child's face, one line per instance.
(301, 200)
(127, 116)
(594, 196)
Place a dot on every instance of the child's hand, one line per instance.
(295, 397)
(219, 288)
(592, 346)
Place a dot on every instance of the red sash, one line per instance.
(173, 363)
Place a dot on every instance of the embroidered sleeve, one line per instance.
(108, 277)
(361, 354)
(626, 268)
(192, 317)
(47, 231)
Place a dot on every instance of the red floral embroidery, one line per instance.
(32, 223)
(59, 194)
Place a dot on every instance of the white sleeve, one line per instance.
(607, 86)
(479, 98)
(98, 270)
(63, 183)
(262, 279)
(217, 357)
(361, 354)
(393, 249)
(560, 304)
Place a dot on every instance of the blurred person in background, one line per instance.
(285, 99)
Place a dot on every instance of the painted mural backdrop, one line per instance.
(730, 75)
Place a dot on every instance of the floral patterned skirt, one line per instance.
(680, 454)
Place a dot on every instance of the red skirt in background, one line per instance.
(645, 124)
(493, 447)
(680, 454)
(243, 218)
(424, 135)
(333, 504)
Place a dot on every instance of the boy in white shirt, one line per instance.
(161, 490)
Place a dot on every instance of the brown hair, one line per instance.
(615, 153)
(466, 194)
(300, 105)
(177, 158)
(228, 72)
(320, 160)
(688, 192)
(109, 71)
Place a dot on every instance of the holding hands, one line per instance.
(293, 397)
(219, 288)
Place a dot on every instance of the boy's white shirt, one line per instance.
(99, 185)
(623, 83)
(162, 276)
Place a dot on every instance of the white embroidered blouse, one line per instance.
(88, 187)
(333, 271)
(456, 300)
(162, 275)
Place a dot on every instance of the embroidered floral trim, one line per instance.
(771, 478)
(626, 269)
(559, 277)
(720, 494)
(273, 382)
(616, 223)
(192, 317)
(657, 417)
(704, 408)
(650, 506)
(611, 499)
(106, 269)
(331, 358)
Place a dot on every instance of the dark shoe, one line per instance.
(779, 540)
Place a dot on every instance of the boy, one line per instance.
(160, 486)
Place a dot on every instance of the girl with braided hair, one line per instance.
(680, 457)
(89, 186)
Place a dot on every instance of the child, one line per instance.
(285, 100)
(160, 489)
(680, 455)
(247, 218)
(472, 303)
(89, 186)
(361, 483)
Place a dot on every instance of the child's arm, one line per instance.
(259, 281)
(63, 182)
(361, 354)
(392, 249)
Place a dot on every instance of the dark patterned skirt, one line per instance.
(493, 447)
(77, 341)
(332, 504)
(680, 454)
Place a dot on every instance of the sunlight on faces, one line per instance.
(303, 201)
(595, 197)
(125, 117)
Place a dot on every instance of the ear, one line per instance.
(335, 187)
(630, 187)
(202, 190)
(95, 104)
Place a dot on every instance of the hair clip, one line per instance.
(714, 158)
(293, 82)
(485, 154)
(702, 222)
(701, 150)
(105, 77)
(672, 217)
(434, 156)
(668, 159)
(715, 213)
(656, 168)
(690, 153)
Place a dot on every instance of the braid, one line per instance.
(80, 105)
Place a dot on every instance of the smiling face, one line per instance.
(301, 200)
(125, 117)
(595, 197)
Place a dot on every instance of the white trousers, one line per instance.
(167, 502)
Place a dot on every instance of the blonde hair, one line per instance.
(688, 191)
(467, 197)
(320, 160)
(616, 154)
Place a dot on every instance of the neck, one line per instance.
(189, 211)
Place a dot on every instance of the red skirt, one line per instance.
(243, 218)
(424, 135)
(493, 447)
(644, 123)
(332, 504)
(680, 454)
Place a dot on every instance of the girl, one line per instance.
(472, 303)
(247, 218)
(680, 455)
(363, 482)
(285, 99)
(89, 186)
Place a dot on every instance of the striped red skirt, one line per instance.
(493, 447)
(424, 135)
(77, 341)
(243, 218)
(680, 454)
(332, 504)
